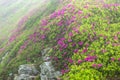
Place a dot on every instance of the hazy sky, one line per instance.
(12, 10)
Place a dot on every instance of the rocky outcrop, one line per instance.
(27, 69)
(48, 71)
(26, 72)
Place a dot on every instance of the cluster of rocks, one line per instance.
(48, 71)
(26, 72)
(29, 72)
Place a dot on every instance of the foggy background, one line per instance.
(11, 12)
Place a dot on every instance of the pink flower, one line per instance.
(73, 44)
(22, 21)
(12, 38)
(67, 70)
(105, 37)
(79, 61)
(61, 12)
(56, 58)
(118, 33)
(69, 40)
(103, 50)
(84, 30)
(60, 23)
(115, 38)
(61, 49)
(23, 47)
(62, 71)
(61, 43)
(94, 65)
(1, 49)
(70, 60)
(65, 46)
(84, 50)
(99, 65)
(65, 65)
(80, 12)
(112, 59)
(118, 59)
(44, 22)
(65, 53)
(87, 45)
(69, 5)
(43, 36)
(108, 42)
(75, 29)
(62, 39)
(70, 34)
(86, 6)
(73, 18)
(58, 79)
(80, 43)
(90, 58)
(76, 50)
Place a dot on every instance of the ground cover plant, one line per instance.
(84, 37)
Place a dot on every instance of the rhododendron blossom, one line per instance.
(76, 50)
(80, 61)
(80, 43)
(90, 58)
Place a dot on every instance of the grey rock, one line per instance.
(48, 71)
(24, 77)
(27, 69)
(45, 52)
(26, 72)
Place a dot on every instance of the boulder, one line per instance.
(27, 69)
(24, 77)
(48, 71)
(26, 72)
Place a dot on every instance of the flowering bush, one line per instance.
(80, 73)
(84, 37)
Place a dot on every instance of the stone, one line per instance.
(27, 69)
(48, 71)
(26, 72)
(24, 77)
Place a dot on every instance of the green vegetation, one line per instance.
(84, 37)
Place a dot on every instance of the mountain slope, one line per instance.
(28, 24)
(84, 37)
(11, 13)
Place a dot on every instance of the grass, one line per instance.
(84, 37)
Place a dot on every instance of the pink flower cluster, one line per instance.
(63, 71)
(58, 13)
(60, 23)
(44, 22)
(62, 44)
(111, 5)
(90, 58)
(97, 65)
(22, 21)
(12, 38)
(80, 61)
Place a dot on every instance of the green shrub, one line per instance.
(80, 73)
